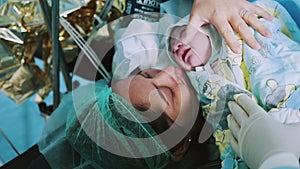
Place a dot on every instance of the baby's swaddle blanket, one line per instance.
(275, 68)
(274, 76)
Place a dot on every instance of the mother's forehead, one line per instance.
(126, 72)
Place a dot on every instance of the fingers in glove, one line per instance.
(233, 143)
(233, 126)
(249, 106)
(237, 112)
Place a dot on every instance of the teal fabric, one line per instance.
(293, 7)
(277, 62)
(99, 128)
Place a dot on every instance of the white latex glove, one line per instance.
(259, 139)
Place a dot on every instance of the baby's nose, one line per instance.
(183, 50)
(177, 47)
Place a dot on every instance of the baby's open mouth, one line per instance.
(184, 55)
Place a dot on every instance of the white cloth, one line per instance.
(137, 47)
(141, 45)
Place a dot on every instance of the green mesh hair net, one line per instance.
(106, 131)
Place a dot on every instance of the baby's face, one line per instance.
(195, 53)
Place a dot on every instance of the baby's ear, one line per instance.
(182, 150)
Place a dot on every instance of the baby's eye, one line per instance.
(182, 33)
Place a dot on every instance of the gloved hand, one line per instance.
(259, 139)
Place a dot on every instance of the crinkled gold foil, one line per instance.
(22, 28)
(82, 19)
(8, 62)
(27, 80)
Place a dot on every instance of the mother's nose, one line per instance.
(168, 77)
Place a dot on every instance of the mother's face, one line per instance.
(168, 90)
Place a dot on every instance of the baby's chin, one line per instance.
(189, 67)
(194, 61)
